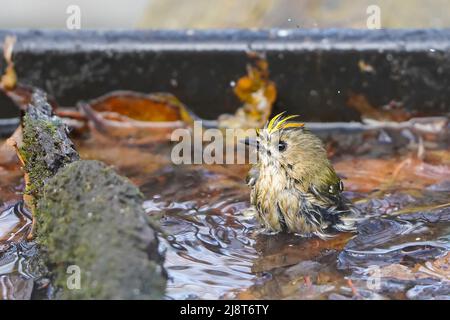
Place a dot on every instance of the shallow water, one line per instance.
(401, 249)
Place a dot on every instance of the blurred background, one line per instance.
(177, 14)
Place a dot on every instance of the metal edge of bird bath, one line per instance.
(316, 71)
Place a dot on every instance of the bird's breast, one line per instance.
(265, 196)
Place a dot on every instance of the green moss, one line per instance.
(87, 215)
(45, 149)
(91, 217)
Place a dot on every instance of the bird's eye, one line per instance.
(282, 146)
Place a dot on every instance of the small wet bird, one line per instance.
(294, 187)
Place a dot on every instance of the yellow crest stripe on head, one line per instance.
(293, 125)
(270, 126)
(278, 122)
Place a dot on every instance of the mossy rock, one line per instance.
(46, 146)
(90, 217)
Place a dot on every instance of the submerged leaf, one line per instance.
(157, 107)
(368, 174)
(138, 116)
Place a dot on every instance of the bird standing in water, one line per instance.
(294, 187)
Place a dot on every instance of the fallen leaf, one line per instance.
(8, 80)
(257, 93)
(141, 117)
(368, 174)
(439, 268)
(390, 112)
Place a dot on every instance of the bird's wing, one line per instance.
(341, 214)
(252, 176)
(329, 193)
(301, 216)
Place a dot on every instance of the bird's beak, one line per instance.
(250, 142)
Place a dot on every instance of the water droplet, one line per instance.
(283, 33)
(232, 84)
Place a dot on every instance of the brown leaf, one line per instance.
(391, 112)
(142, 117)
(439, 268)
(367, 174)
(277, 252)
(399, 272)
(141, 107)
(257, 93)
(9, 80)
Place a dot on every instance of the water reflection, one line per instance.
(213, 250)
(16, 281)
(208, 245)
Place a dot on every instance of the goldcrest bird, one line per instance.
(294, 187)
